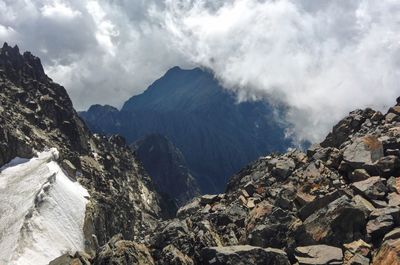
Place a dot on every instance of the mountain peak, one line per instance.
(19, 68)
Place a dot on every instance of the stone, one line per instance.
(250, 188)
(340, 221)
(372, 188)
(189, 209)
(121, 252)
(379, 226)
(393, 211)
(283, 168)
(243, 255)
(394, 234)
(358, 175)
(69, 168)
(357, 259)
(357, 247)
(364, 150)
(394, 199)
(317, 204)
(363, 204)
(391, 117)
(304, 198)
(208, 199)
(393, 184)
(318, 255)
(389, 165)
(171, 255)
(388, 253)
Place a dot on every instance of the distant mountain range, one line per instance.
(216, 134)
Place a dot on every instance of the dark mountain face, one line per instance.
(167, 167)
(217, 135)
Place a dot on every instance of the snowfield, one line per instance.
(41, 211)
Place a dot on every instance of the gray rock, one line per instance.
(243, 255)
(365, 150)
(359, 175)
(379, 226)
(319, 255)
(372, 188)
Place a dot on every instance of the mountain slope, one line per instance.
(339, 203)
(36, 114)
(167, 167)
(216, 135)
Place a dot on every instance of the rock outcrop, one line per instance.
(36, 114)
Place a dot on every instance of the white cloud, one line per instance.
(322, 61)
(321, 58)
(59, 10)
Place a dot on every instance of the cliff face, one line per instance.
(167, 167)
(216, 134)
(36, 114)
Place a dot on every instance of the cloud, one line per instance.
(320, 58)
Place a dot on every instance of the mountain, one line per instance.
(62, 188)
(167, 167)
(71, 197)
(216, 134)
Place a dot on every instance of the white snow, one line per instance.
(41, 211)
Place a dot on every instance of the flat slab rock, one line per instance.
(319, 255)
(243, 255)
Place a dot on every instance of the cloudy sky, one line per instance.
(321, 58)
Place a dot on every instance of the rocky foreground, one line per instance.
(338, 203)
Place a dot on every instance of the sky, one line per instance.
(322, 59)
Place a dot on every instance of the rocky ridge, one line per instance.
(338, 203)
(37, 114)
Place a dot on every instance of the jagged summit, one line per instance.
(19, 68)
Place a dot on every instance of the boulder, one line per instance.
(394, 234)
(283, 168)
(316, 204)
(243, 255)
(379, 226)
(171, 255)
(373, 188)
(358, 175)
(393, 184)
(389, 165)
(364, 150)
(120, 252)
(357, 252)
(341, 221)
(318, 255)
(388, 253)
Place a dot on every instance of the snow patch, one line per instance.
(41, 211)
